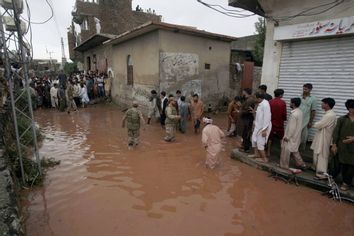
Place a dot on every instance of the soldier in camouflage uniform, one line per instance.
(70, 98)
(134, 119)
(171, 120)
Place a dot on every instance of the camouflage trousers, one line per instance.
(170, 132)
(133, 137)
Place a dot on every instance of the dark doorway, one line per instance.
(130, 71)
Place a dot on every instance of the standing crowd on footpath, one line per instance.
(68, 93)
(259, 121)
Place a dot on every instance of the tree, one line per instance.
(259, 48)
(70, 68)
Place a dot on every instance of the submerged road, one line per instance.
(101, 188)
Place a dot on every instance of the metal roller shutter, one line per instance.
(326, 63)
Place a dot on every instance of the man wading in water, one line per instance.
(134, 119)
(212, 141)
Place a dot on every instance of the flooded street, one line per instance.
(101, 188)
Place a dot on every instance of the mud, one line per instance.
(101, 188)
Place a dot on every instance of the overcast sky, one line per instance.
(185, 12)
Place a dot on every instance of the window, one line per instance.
(207, 66)
(94, 60)
(88, 61)
(84, 24)
(130, 78)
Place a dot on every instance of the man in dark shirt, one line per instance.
(62, 79)
(263, 90)
(246, 119)
(164, 103)
(278, 109)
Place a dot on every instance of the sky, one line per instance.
(46, 37)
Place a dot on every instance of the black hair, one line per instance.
(329, 101)
(178, 91)
(263, 87)
(238, 98)
(163, 93)
(296, 101)
(153, 92)
(349, 104)
(183, 98)
(195, 95)
(278, 93)
(260, 95)
(248, 91)
(170, 96)
(308, 85)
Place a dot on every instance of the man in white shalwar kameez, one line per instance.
(292, 137)
(262, 127)
(323, 138)
(54, 96)
(212, 141)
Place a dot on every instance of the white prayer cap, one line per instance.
(135, 104)
(207, 120)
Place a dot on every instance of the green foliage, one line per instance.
(70, 67)
(259, 48)
(32, 176)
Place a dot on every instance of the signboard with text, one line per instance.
(315, 29)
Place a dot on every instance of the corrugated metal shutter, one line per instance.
(326, 63)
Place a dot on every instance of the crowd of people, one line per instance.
(259, 121)
(68, 93)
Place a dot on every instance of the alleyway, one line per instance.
(101, 188)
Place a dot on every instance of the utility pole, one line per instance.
(20, 95)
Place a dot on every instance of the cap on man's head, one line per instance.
(135, 104)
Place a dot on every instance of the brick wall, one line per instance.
(116, 17)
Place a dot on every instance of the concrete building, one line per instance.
(308, 42)
(112, 17)
(242, 56)
(165, 57)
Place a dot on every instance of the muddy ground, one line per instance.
(101, 188)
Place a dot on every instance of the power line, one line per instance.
(224, 11)
(43, 22)
(307, 11)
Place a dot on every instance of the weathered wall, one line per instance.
(145, 58)
(182, 66)
(257, 76)
(281, 9)
(245, 43)
(9, 212)
(103, 53)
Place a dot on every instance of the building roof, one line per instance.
(249, 5)
(152, 26)
(247, 43)
(93, 41)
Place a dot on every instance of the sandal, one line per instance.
(344, 187)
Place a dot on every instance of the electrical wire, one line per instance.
(43, 22)
(306, 12)
(55, 21)
(224, 11)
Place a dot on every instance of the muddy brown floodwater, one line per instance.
(101, 188)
